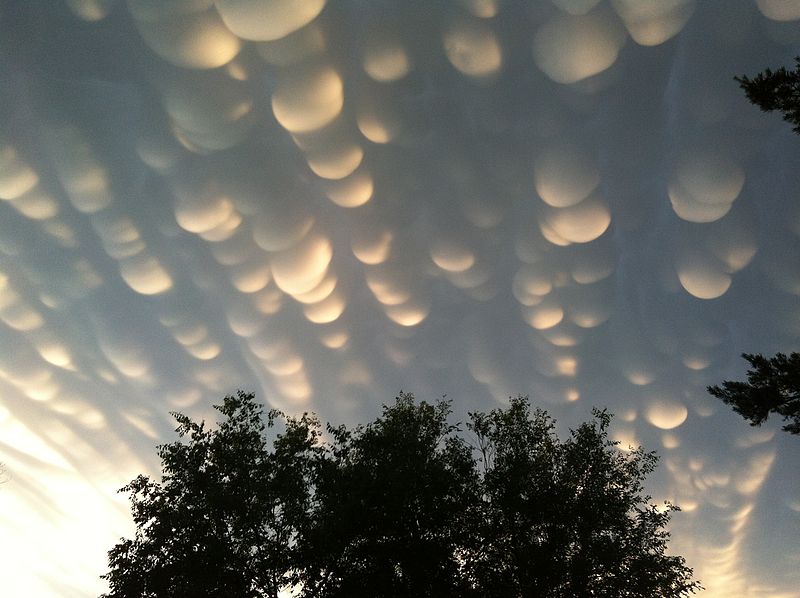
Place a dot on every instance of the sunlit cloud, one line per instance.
(326, 202)
(570, 48)
(472, 48)
(265, 20)
(194, 37)
(779, 10)
(308, 99)
(652, 22)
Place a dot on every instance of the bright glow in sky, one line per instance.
(328, 202)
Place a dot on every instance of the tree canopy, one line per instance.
(776, 90)
(225, 517)
(772, 387)
(408, 505)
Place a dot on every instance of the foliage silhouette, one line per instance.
(392, 503)
(776, 90)
(773, 386)
(404, 506)
(568, 519)
(224, 519)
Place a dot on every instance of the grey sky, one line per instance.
(330, 202)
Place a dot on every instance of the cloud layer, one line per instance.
(327, 202)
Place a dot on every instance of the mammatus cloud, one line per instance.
(327, 202)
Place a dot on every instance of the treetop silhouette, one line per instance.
(776, 90)
(772, 387)
(408, 505)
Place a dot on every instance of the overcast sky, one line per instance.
(329, 202)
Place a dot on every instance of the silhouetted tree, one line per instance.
(567, 519)
(402, 507)
(773, 386)
(224, 518)
(393, 503)
(776, 90)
